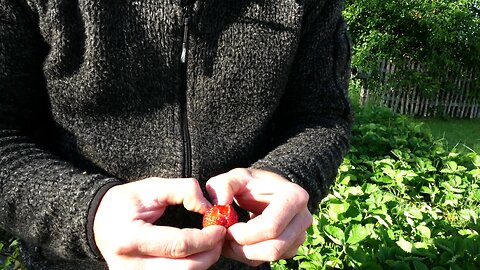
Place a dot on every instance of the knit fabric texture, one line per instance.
(93, 94)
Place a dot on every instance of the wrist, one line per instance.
(92, 210)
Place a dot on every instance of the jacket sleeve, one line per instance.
(315, 117)
(43, 200)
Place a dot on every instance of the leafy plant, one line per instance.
(401, 201)
(9, 252)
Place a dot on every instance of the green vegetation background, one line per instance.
(404, 198)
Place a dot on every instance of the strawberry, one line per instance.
(224, 215)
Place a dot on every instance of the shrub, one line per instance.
(401, 201)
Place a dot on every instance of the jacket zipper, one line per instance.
(187, 12)
(187, 147)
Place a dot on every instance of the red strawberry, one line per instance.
(224, 215)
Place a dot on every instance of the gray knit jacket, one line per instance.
(94, 93)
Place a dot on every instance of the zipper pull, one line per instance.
(186, 21)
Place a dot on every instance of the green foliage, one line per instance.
(9, 252)
(457, 133)
(440, 35)
(401, 201)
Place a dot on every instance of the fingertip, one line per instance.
(234, 232)
(197, 205)
(214, 234)
(215, 231)
(214, 200)
(212, 193)
(195, 200)
(220, 194)
(204, 206)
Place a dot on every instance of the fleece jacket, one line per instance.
(96, 93)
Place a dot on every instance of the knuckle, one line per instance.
(191, 183)
(273, 230)
(191, 186)
(275, 253)
(239, 171)
(303, 196)
(122, 246)
(308, 220)
(291, 253)
(299, 241)
(213, 181)
(179, 248)
(190, 192)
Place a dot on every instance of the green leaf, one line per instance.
(405, 245)
(467, 232)
(424, 231)
(357, 255)
(355, 191)
(318, 241)
(476, 161)
(477, 195)
(353, 213)
(335, 209)
(307, 265)
(468, 214)
(455, 267)
(357, 234)
(452, 165)
(335, 234)
(382, 221)
(414, 213)
(384, 179)
(302, 251)
(439, 268)
(401, 266)
(419, 265)
(369, 188)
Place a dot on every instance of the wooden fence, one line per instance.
(457, 103)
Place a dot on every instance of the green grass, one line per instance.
(457, 133)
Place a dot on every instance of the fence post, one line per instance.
(362, 76)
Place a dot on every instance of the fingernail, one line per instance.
(204, 206)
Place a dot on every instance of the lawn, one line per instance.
(456, 132)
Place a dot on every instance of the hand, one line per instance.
(127, 239)
(278, 210)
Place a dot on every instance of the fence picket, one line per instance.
(409, 99)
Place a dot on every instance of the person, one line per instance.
(121, 122)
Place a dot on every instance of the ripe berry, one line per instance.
(224, 215)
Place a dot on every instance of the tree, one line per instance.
(441, 35)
